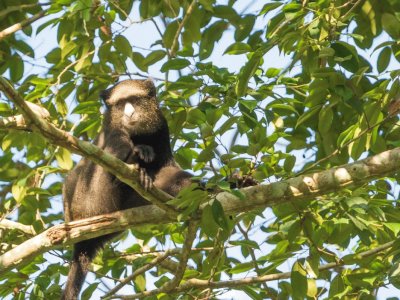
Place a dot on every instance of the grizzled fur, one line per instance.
(135, 131)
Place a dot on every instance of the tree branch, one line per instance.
(76, 231)
(294, 189)
(14, 28)
(10, 225)
(18, 121)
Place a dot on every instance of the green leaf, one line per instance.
(138, 59)
(269, 7)
(394, 227)
(325, 119)
(391, 24)
(19, 192)
(209, 226)
(226, 12)
(247, 243)
(87, 107)
(308, 114)
(175, 64)
(169, 34)
(237, 48)
(54, 56)
(241, 268)
(298, 279)
(346, 55)
(244, 27)
(337, 287)
(67, 48)
(326, 52)
(384, 59)
(212, 34)
(154, 57)
(16, 68)
(122, 45)
(140, 282)
(219, 215)
(272, 72)
(247, 72)
(289, 163)
(207, 4)
(88, 292)
(64, 159)
(312, 289)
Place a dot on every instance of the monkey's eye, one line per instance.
(129, 110)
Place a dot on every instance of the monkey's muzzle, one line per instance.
(129, 110)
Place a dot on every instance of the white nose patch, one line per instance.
(129, 110)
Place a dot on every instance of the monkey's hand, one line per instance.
(145, 152)
(145, 180)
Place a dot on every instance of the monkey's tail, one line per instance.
(84, 253)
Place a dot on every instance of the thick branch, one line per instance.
(125, 173)
(312, 185)
(294, 189)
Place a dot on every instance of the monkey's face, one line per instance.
(132, 106)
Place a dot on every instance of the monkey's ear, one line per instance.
(150, 87)
(105, 96)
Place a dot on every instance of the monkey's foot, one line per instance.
(145, 152)
(145, 180)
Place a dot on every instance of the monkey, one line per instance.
(135, 131)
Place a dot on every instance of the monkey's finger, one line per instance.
(145, 153)
(149, 183)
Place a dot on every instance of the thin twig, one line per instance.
(347, 14)
(21, 7)
(337, 151)
(14, 28)
(180, 27)
(203, 284)
(137, 272)
(252, 254)
(174, 282)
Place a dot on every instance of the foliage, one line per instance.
(310, 85)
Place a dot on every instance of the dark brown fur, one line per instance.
(143, 139)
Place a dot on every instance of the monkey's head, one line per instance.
(132, 105)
